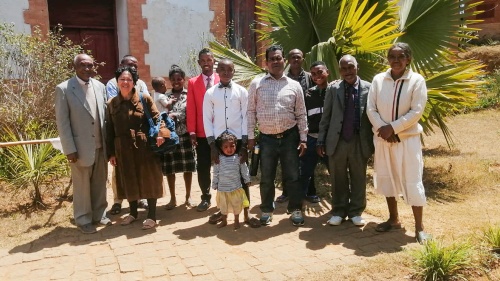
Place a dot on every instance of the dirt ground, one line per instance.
(462, 185)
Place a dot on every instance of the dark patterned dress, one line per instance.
(182, 158)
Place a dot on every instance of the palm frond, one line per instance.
(324, 51)
(451, 89)
(245, 69)
(284, 21)
(359, 30)
(432, 28)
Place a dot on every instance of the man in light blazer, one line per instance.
(346, 137)
(197, 86)
(80, 109)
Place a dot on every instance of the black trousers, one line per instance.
(203, 163)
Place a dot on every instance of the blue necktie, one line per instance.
(349, 111)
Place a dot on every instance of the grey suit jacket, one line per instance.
(330, 126)
(75, 122)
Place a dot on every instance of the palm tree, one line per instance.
(327, 29)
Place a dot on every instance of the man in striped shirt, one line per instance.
(276, 104)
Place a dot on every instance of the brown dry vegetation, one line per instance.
(489, 55)
(462, 185)
(463, 198)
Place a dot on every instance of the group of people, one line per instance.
(301, 118)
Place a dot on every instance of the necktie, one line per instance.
(349, 110)
(209, 83)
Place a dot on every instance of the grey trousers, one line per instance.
(348, 177)
(89, 190)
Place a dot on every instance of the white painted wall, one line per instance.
(176, 30)
(122, 29)
(11, 11)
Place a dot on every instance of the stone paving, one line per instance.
(185, 247)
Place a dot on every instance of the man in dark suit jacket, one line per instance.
(80, 109)
(345, 136)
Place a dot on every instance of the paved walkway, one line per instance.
(185, 247)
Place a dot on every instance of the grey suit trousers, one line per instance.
(348, 177)
(89, 190)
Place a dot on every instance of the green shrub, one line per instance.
(32, 166)
(491, 237)
(435, 261)
(490, 94)
(31, 65)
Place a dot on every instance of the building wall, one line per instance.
(158, 32)
(490, 27)
(11, 11)
(176, 30)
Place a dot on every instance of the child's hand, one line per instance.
(172, 101)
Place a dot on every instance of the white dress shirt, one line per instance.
(225, 108)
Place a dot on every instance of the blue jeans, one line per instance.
(284, 150)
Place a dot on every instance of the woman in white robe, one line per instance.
(396, 102)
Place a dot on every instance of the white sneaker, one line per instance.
(335, 220)
(358, 221)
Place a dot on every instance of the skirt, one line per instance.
(232, 202)
(398, 169)
(181, 159)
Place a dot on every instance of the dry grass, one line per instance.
(463, 198)
(462, 186)
(489, 55)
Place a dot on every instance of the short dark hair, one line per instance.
(176, 69)
(225, 136)
(404, 46)
(316, 63)
(126, 57)
(156, 82)
(131, 70)
(273, 48)
(205, 51)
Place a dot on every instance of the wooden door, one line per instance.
(91, 22)
(240, 22)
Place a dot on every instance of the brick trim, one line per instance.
(37, 15)
(218, 24)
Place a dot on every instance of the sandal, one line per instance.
(386, 226)
(170, 206)
(254, 223)
(148, 224)
(422, 237)
(190, 204)
(116, 209)
(128, 220)
(215, 218)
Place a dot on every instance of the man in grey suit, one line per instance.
(345, 136)
(80, 105)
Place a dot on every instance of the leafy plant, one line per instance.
(32, 166)
(31, 65)
(490, 96)
(491, 236)
(327, 29)
(435, 261)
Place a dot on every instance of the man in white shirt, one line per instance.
(225, 110)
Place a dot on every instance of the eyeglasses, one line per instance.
(398, 57)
